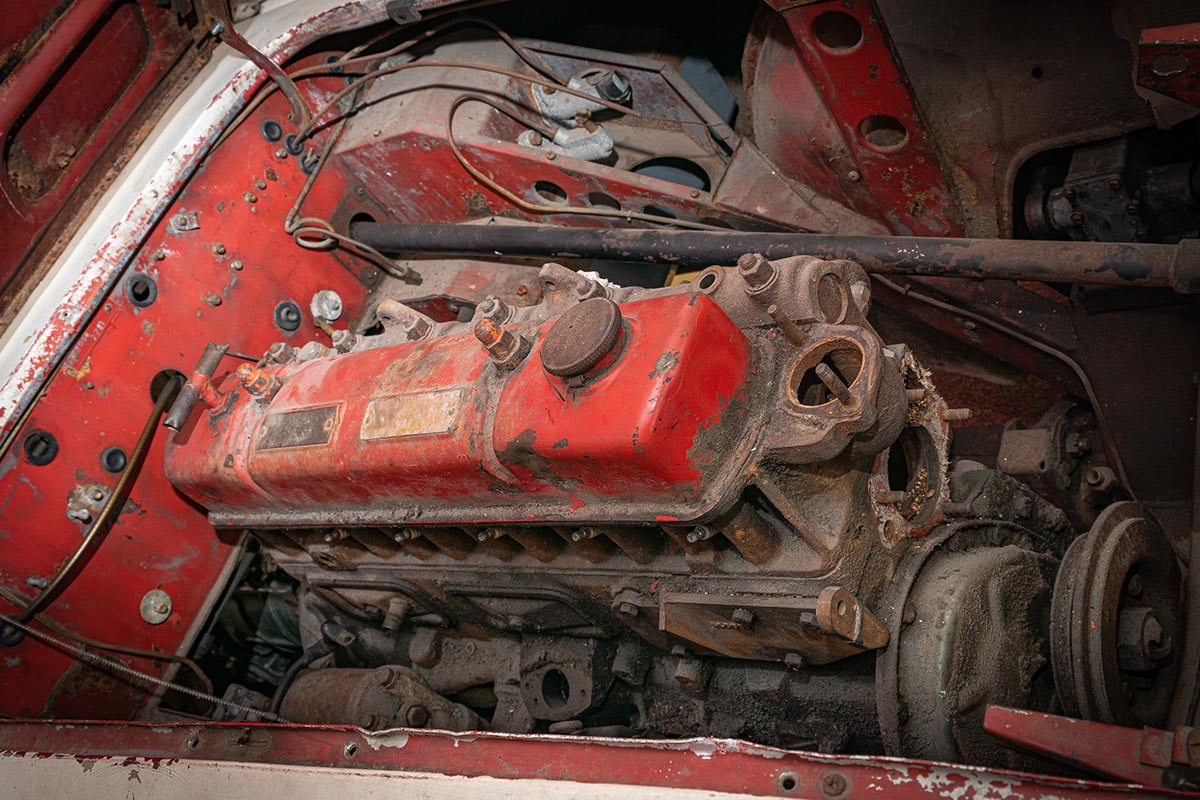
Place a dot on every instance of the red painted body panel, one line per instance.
(682, 363)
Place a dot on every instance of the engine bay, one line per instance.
(634, 380)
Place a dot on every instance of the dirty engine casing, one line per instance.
(699, 509)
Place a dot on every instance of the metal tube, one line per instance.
(1101, 263)
(116, 499)
(181, 409)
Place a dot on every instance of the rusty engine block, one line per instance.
(670, 505)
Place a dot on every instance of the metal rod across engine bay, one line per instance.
(1099, 263)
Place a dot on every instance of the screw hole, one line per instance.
(350, 749)
(1036, 73)
(556, 689)
(788, 781)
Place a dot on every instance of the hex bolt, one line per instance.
(218, 249)
(158, 255)
(700, 533)
(494, 308)
(488, 534)
(790, 329)
(891, 498)
(416, 717)
(1101, 479)
(956, 414)
(915, 395)
(742, 617)
(1077, 218)
(258, 383)
(836, 386)
(628, 609)
(1114, 184)
(250, 197)
(756, 271)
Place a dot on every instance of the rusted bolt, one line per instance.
(218, 249)
(550, 156)
(1114, 184)
(914, 395)
(97, 494)
(250, 197)
(1101, 478)
(892, 498)
(236, 265)
(909, 616)
(494, 308)
(488, 534)
(756, 271)
(742, 617)
(956, 414)
(547, 89)
(335, 535)
(212, 299)
(1133, 587)
(1077, 218)
(260, 184)
(416, 717)
(836, 386)
(700, 533)
(953, 509)
(257, 382)
(584, 533)
(1132, 207)
(158, 255)
(281, 153)
(521, 290)
(535, 138)
(1069, 193)
(506, 349)
(694, 193)
(854, 175)
(628, 609)
(833, 784)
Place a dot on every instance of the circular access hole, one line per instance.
(1036, 73)
(837, 31)
(602, 200)
(883, 132)
(550, 193)
(141, 290)
(159, 382)
(808, 390)
(113, 459)
(271, 130)
(788, 781)
(708, 280)
(288, 316)
(40, 448)
(1165, 65)
(556, 689)
(674, 169)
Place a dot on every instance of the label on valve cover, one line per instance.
(411, 415)
(303, 428)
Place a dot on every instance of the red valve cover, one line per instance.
(432, 431)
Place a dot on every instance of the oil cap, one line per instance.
(581, 337)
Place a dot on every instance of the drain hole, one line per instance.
(141, 290)
(883, 132)
(837, 31)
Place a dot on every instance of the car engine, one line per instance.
(516, 379)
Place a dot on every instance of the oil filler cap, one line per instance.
(581, 337)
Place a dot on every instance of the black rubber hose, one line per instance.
(1101, 263)
(318, 650)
